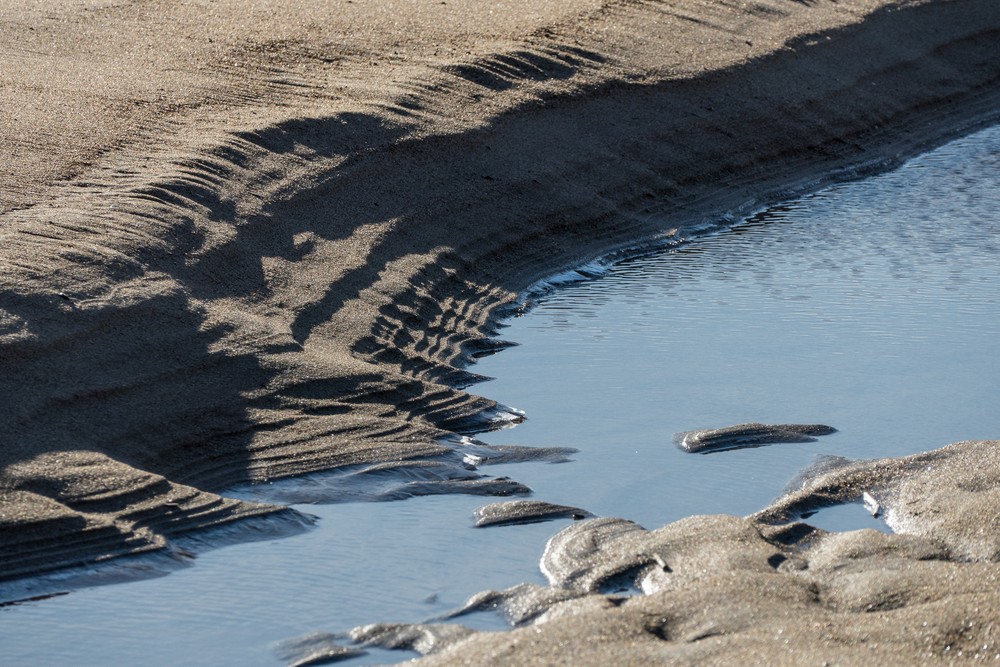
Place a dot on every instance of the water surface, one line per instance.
(871, 306)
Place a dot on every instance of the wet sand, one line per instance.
(245, 242)
(765, 589)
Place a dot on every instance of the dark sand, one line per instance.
(240, 241)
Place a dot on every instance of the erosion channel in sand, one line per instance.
(244, 243)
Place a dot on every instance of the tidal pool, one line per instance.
(871, 306)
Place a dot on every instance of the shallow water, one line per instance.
(872, 307)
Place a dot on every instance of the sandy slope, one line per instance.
(244, 240)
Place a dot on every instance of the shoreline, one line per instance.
(596, 267)
(289, 281)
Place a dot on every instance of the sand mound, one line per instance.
(769, 589)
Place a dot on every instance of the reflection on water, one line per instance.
(871, 307)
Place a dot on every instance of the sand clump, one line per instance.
(243, 241)
(767, 588)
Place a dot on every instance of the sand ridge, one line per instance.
(240, 241)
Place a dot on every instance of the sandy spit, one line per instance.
(240, 241)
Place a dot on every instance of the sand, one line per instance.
(240, 241)
(765, 589)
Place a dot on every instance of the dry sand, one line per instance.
(242, 240)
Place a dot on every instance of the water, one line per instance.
(366, 562)
(871, 306)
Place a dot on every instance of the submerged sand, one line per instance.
(240, 241)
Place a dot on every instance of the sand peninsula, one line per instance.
(245, 240)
